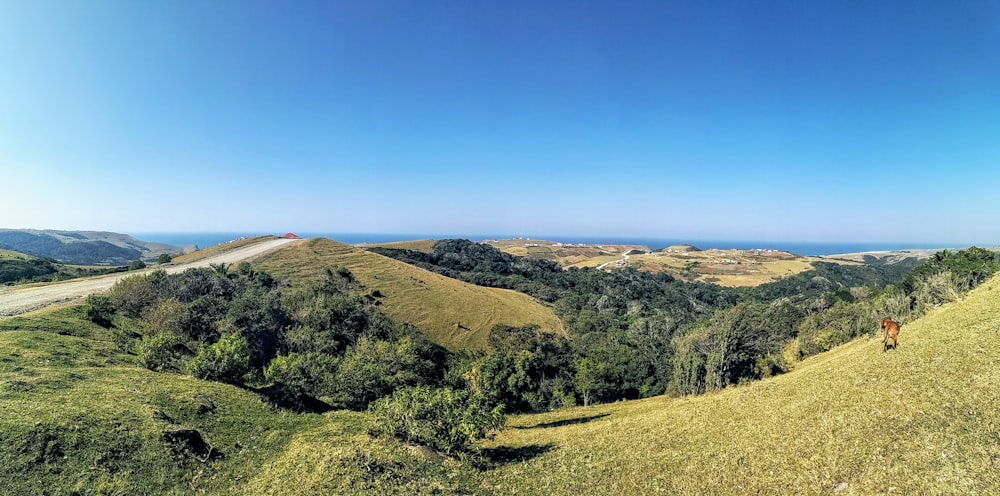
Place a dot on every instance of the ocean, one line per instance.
(207, 239)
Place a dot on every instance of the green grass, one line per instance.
(921, 419)
(455, 314)
(79, 418)
(14, 255)
(68, 320)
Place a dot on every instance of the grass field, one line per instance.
(921, 419)
(79, 417)
(455, 314)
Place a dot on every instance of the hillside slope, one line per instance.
(455, 314)
(921, 419)
(82, 247)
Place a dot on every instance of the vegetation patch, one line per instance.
(454, 314)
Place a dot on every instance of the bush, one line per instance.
(133, 294)
(164, 258)
(101, 310)
(373, 369)
(159, 353)
(307, 373)
(226, 361)
(136, 265)
(445, 419)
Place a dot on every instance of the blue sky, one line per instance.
(772, 120)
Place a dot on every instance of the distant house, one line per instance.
(290, 235)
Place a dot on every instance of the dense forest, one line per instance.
(632, 334)
(636, 334)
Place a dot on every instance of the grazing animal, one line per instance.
(891, 328)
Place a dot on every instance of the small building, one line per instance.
(290, 235)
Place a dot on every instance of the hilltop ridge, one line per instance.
(455, 314)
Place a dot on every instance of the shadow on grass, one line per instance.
(560, 423)
(285, 398)
(504, 454)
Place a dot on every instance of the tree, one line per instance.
(136, 265)
(164, 258)
(589, 379)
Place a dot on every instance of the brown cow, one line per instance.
(891, 331)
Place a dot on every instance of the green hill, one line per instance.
(80, 417)
(921, 419)
(455, 314)
(82, 247)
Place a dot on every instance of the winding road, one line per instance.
(20, 299)
(624, 259)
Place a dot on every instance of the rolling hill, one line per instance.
(455, 314)
(82, 247)
(80, 416)
(921, 419)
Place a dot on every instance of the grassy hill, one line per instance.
(79, 416)
(455, 314)
(14, 255)
(82, 247)
(921, 419)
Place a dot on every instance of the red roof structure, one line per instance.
(290, 235)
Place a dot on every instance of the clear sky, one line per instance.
(771, 120)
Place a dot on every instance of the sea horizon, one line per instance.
(809, 248)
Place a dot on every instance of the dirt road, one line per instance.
(18, 300)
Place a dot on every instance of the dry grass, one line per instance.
(455, 314)
(715, 266)
(219, 248)
(921, 419)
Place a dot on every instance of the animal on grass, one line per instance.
(891, 328)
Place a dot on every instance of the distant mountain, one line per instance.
(82, 247)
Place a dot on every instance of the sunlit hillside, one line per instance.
(921, 419)
(80, 416)
(455, 314)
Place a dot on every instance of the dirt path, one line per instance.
(624, 260)
(18, 300)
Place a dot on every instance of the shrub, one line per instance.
(164, 316)
(133, 294)
(445, 419)
(308, 373)
(101, 310)
(164, 258)
(226, 361)
(136, 265)
(159, 352)
(373, 369)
